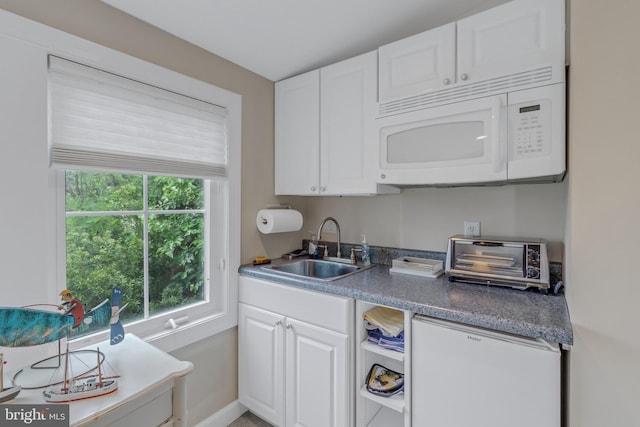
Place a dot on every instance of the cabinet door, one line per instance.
(261, 362)
(512, 38)
(297, 135)
(347, 138)
(413, 65)
(317, 377)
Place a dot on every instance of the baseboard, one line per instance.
(224, 416)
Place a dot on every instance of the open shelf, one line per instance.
(374, 348)
(382, 411)
(395, 402)
(385, 418)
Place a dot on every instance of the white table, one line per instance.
(151, 389)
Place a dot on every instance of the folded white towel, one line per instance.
(388, 320)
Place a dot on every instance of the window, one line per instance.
(148, 189)
(144, 234)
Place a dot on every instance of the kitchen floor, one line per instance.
(249, 420)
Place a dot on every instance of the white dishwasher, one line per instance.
(464, 376)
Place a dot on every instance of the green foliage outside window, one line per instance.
(105, 238)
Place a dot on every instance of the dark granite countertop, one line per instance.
(525, 313)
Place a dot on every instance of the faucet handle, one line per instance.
(353, 254)
(326, 250)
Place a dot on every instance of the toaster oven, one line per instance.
(515, 263)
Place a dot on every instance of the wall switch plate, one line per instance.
(471, 228)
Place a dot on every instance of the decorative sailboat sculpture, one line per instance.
(79, 388)
(25, 326)
(8, 393)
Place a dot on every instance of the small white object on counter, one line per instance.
(417, 266)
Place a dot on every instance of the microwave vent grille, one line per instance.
(468, 91)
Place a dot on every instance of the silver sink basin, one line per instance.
(316, 269)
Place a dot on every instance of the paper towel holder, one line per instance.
(264, 221)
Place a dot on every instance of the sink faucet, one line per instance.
(322, 223)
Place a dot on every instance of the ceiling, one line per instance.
(281, 38)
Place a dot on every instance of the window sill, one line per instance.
(172, 339)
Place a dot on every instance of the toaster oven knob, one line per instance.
(464, 76)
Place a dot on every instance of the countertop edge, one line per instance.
(438, 298)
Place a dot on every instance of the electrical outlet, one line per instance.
(471, 228)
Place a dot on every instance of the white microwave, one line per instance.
(517, 136)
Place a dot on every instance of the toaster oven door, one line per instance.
(494, 259)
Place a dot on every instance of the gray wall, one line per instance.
(604, 207)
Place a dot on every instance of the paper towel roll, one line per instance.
(278, 220)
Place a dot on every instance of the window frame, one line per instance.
(224, 218)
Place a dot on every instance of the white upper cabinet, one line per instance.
(512, 38)
(325, 135)
(347, 132)
(297, 134)
(517, 44)
(419, 63)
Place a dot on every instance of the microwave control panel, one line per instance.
(529, 124)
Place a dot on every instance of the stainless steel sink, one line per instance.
(317, 269)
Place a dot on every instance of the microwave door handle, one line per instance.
(499, 160)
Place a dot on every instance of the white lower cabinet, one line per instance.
(261, 362)
(373, 410)
(295, 363)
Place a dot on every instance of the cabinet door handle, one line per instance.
(464, 76)
(278, 322)
(446, 81)
(289, 326)
(323, 188)
(313, 189)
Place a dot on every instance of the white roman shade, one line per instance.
(104, 121)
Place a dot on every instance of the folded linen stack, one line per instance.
(385, 327)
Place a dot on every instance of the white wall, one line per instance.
(604, 208)
(27, 227)
(424, 218)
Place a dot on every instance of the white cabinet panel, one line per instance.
(325, 135)
(347, 134)
(419, 63)
(516, 45)
(297, 134)
(512, 38)
(261, 362)
(317, 383)
(292, 372)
